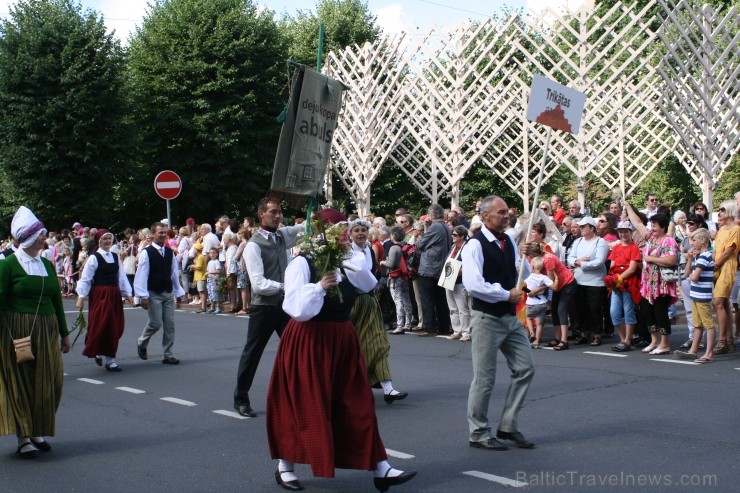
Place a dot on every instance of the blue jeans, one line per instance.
(489, 335)
(622, 308)
(161, 314)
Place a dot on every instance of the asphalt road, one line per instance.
(601, 422)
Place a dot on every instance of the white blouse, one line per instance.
(304, 299)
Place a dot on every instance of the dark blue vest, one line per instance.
(498, 267)
(160, 270)
(334, 310)
(106, 274)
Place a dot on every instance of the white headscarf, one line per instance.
(26, 227)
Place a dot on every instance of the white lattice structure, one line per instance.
(701, 98)
(438, 104)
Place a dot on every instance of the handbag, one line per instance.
(448, 277)
(129, 265)
(669, 274)
(23, 350)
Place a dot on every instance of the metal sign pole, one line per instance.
(169, 218)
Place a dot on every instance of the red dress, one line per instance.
(320, 407)
(105, 320)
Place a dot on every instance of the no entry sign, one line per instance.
(167, 185)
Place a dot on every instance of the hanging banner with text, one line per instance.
(306, 136)
(555, 105)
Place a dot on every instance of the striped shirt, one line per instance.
(701, 290)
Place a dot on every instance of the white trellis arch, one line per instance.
(437, 104)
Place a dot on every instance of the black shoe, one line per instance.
(377, 386)
(142, 352)
(111, 367)
(169, 360)
(515, 437)
(382, 484)
(490, 444)
(43, 445)
(30, 453)
(391, 398)
(288, 485)
(245, 410)
(98, 361)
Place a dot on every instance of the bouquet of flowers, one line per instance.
(327, 249)
(614, 282)
(223, 285)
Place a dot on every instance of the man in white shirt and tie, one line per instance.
(157, 283)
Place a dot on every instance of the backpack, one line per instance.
(408, 264)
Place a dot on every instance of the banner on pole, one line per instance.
(555, 105)
(305, 139)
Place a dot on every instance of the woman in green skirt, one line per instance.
(30, 305)
(368, 321)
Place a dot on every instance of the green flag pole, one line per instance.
(313, 202)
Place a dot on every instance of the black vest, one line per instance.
(106, 274)
(333, 310)
(160, 270)
(498, 267)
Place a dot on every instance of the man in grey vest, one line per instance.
(267, 257)
(157, 284)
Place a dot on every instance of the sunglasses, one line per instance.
(653, 200)
(721, 209)
(699, 209)
(543, 208)
(691, 223)
(455, 234)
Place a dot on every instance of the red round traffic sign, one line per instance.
(167, 185)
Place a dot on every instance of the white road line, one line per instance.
(496, 479)
(90, 380)
(131, 390)
(398, 455)
(230, 414)
(736, 368)
(675, 361)
(606, 354)
(175, 400)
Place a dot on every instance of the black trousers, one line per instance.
(435, 309)
(589, 302)
(263, 321)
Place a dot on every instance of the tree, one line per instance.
(205, 77)
(63, 135)
(346, 23)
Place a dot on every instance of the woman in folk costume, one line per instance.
(367, 318)
(30, 305)
(103, 280)
(320, 408)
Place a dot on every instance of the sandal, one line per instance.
(721, 348)
(561, 346)
(553, 343)
(596, 341)
(581, 340)
(703, 360)
(531, 337)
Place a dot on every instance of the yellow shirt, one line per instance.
(200, 262)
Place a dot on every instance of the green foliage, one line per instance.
(205, 77)
(729, 182)
(346, 23)
(673, 185)
(63, 136)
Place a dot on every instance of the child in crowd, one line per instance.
(67, 272)
(700, 271)
(623, 281)
(398, 282)
(199, 269)
(537, 284)
(214, 273)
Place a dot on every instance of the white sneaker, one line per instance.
(465, 338)
(454, 336)
(194, 302)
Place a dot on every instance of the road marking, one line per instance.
(175, 400)
(230, 414)
(606, 354)
(90, 380)
(131, 390)
(398, 455)
(675, 361)
(496, 479)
